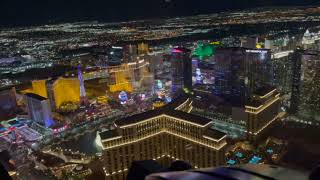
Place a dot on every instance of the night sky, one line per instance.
(31, 12)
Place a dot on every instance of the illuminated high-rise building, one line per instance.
(283, 73)
(305, 99)
(203, 63)
(158, 65)
(241, 71)
(128, 76)
(39, 109)
(130, 53)
(307, 40)
(115, 57)
(181, 68)
(143, 49)
(262, 110)
(269, 44)
(296, 82)
(283, 77)
(39, 87)
(63, 90)
(50, 93)
(249, 42)
(8, 103)
(119, 79)
(251, 121)
(165, 134)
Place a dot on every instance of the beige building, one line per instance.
(262, 111)
(165, 134)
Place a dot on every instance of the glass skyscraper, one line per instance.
(306, 85)
(241, 71)
(39, 109)
(181, 68)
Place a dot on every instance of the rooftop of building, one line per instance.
(109, 134)
(263, 90)
(181, 97)
(51, 80)
(212, 133)
(240, 48)
(313, 30)
(180, 50)
(36, 96)
(138, 117)
(64, 77)
(188, 117)
(6, 88)
(256, 102)
(168, 110)
(253, 103)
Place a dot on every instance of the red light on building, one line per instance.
(12, 128)
(175, 50)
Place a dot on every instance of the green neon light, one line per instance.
(204, 50)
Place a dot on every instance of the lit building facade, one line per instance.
(143, 49)
(283, 77)
(118, 81)
(250, 121)
(305, 99)
(128, 76)
(249, 42)
(39, 109)
(283, 73)
(130, 53)
(115, 57)
(241, 71)
(181, 68)
(262, 111)
(63, 90)
(50, 93)
(156, 64)
(39, 87)
(165, 134)
(309, 39)
(8, 103)
(207, 72)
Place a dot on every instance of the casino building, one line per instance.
(250, 121)
(241, 71)
(39, 109)
(262, 111)
(58, 91)
(164, 134)
(129, 76)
